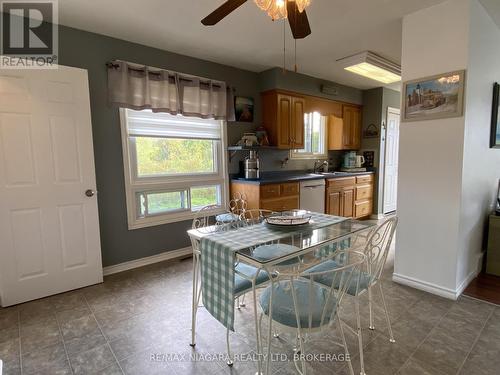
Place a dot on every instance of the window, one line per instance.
(314, 138)
(174, 165)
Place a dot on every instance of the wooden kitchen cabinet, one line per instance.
(350, 196)
(345, 133)
(340, 194)
(283, 118)
(273, 197)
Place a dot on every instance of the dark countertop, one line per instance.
(292, 176)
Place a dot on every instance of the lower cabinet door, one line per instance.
(348, 202)
(334, 203)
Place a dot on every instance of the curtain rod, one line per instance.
(141, 68)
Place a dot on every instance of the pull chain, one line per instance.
(284, 45)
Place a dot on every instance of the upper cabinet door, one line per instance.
(356, 129)
(297, 125)
(352, 128)
(284, 121)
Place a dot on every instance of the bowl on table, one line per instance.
(289, 218)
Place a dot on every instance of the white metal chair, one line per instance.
(297, 302)
(246, 277)
(376, 251)
(237, 206)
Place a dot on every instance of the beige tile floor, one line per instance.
(138, 322)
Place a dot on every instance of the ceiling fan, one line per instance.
(291, 9)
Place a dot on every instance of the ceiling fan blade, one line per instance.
(222, 12)
(298, 21)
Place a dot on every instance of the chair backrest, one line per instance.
(255, 216)
(238, 205)
(204, 217)
(377, 247)
(323, 298)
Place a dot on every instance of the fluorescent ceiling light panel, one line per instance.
(370, 65)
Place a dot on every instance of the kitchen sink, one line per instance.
(333, 174)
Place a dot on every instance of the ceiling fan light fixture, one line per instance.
(373, 66)
(276, 9)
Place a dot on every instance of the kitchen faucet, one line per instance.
(319, 164)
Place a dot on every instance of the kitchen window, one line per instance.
(174, 165)
(314, 138)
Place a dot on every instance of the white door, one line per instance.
(391, 160)
(49, 228)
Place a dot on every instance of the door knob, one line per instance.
(89, 193)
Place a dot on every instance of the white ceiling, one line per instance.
(248, 38)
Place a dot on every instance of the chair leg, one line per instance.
(229, 355)
(238, 303)
(351, 370)
(360, 337)
(301, 354)
(391, 335)
(194, 306)
(269, 332)
(242, 303)
(370, 301)
(257, 331)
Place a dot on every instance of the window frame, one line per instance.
(135, 185)
(294, 154)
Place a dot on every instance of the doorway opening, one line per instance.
(391, 156)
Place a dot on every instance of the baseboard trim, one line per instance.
(425, 286)
(377, 216)
(167, 255)
(436, 289)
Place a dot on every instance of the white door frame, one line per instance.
(395, 111)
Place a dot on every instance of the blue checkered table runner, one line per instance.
(218, 257)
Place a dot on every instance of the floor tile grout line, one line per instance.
(425, 338)
(64, 343)
(103, 335)
(475, 341)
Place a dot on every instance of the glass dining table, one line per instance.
(218, 251)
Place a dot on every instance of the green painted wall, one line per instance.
(275, 78)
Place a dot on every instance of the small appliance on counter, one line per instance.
(353, 162)
(251, 166)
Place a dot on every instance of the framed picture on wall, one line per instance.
(243, 109)
(495, 120)
(435, 97)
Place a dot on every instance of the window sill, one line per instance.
(152, 221)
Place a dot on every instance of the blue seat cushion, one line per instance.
(327, 278)
(310, 300)
(242, 285)
(276, 250)
(228, 217)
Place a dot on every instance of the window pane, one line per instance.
(156, 203)
(317, 134)
(168, 156)
(314, 134)
(204, 196)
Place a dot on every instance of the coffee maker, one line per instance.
(251, 166)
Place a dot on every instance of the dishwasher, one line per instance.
(312, 195)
